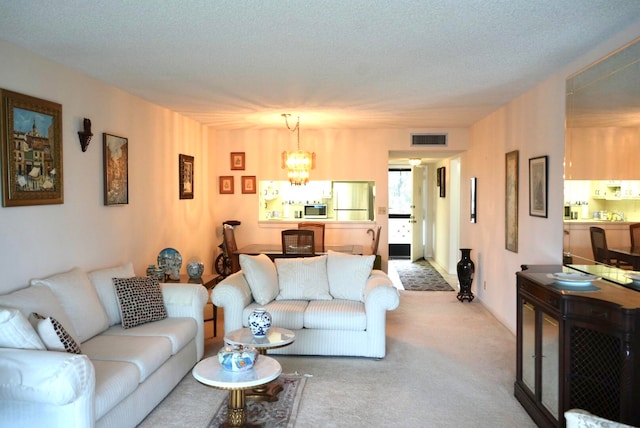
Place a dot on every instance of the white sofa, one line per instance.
(120, 374)
(336, 304)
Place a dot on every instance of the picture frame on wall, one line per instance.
(472, 208)
(538, 186)
(185, 179)
(441, 181)
(237, 161)
(116, 169)
(226, 184)
(248, 184)
(32, 172)
(511, 200)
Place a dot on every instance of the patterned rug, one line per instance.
(420, 276)
(278, 414)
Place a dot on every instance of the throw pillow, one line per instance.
(80, 301)
(303, 278)
(16, 332)
(53, 334)
(261, 276)
(140, 300)
(348, 275)
(102, 280)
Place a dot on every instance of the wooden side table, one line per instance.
(209, 282)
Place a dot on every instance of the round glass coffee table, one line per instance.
(210, 372)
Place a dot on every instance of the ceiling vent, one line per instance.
(422, 140)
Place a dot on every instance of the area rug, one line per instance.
(278, 414)
(420, 276)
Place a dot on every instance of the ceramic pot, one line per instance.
(259, 322)
(195, 268)
(465, 270)
(237, 358)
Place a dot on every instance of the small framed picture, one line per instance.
(538, 186)
(226, 184)
(441, 181)
(116, 169)
(237, 161)
(185, 178)
(474, 188)
(248, 184)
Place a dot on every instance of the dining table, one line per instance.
(630, 255)
(275, 250)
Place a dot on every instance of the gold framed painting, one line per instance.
(116, 169)
(511, 201)
(31, 150)
(185, 179)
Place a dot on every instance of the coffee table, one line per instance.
(276, 337)
(210, 372)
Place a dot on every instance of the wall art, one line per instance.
(237, 160)
(538, 174)
(441, 181)
(31, 150)
(226, 184)
(511, 201)
(185, 179)
(248, 184)
(116, 169)
(473, 212)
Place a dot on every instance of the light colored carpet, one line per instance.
(448, 364)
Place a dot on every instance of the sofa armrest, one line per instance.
(233, 294)
(187, 300)
(380, 293)
(46, 377)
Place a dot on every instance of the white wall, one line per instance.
(40, 240)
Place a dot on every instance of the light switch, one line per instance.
(382, 210)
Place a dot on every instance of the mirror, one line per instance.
(602, 140)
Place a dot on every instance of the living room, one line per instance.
(36, 241)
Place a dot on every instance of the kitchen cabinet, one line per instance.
(576, 349)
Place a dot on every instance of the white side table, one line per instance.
(210, 372)
(276, 337)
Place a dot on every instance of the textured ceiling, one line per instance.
(336, 63)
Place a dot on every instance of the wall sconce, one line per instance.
(415, 161)
(85, 135)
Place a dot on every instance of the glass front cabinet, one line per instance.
(576, 349)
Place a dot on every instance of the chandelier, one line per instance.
(298, 163)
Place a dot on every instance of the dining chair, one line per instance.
(634, 231)
(298, 241)
(229, 238)
(601, 250)
(375, 239)
(318, 234)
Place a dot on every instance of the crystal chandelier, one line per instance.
(298, 163)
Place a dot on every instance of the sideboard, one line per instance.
(577, 347)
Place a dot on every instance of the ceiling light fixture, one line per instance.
(298, 163)
(415, 161)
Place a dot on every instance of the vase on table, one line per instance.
(465, 270)
(195, 268)
(259, 322)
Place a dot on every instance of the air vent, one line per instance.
(422, 140)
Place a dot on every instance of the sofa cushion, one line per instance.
(284, 313)
(115, 380)
(53, 334)
(336, 314)
(140, 300)
(38, 299)
(17, 332)
(147, 353)
(303, 278)
(79, 300)
(102, 280)
(348, 275)
(180, 331)
(261, 276)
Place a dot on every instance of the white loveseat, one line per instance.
(120, 374)
(336, 304)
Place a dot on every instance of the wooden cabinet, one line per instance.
(576, 349)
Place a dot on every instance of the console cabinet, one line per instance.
(576, 348)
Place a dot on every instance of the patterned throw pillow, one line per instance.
(140, 300)
(53, 334)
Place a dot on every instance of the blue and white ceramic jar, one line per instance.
(195, 268)
(259, 322)
(237, 358)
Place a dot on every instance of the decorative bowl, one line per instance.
(237, 358)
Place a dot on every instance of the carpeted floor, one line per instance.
(278, 414)
(420, 276)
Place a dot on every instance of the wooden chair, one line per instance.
(229, 238)
(375, 239)
(601, 250)
(318, 234)
(298, 241)
(634, 231)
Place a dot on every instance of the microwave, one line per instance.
(315, 211)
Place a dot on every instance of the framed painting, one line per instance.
(248, 184)
(185, 176)
(116, 169)
(441, 181)
(31, 150)
(472, 208)
(237, 161)
(511, 201)
(538, 174)
(226, 184)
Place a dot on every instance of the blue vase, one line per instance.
(259, 322)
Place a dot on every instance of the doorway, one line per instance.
(406, 213)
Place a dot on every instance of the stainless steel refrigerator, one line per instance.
(351, 201)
